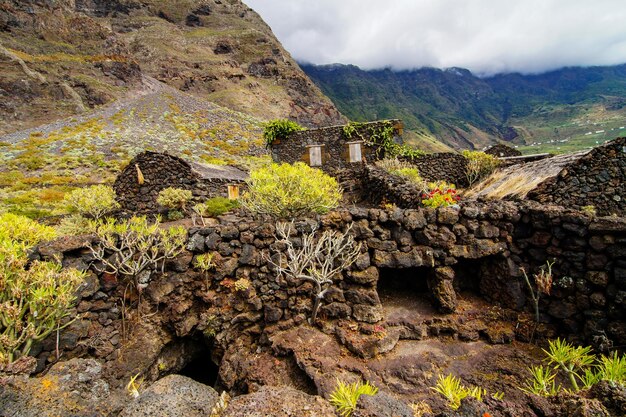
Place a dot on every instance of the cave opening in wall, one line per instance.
(201, 368)
(404, 287)
(467, 275)
(191, 356)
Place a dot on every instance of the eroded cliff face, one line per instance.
(60, 58)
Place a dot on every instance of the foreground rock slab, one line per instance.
(74, 388)
(279, 402)
(173, 396)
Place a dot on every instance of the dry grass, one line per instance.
(502, 185)
(518, 180)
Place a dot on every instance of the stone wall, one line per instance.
(378, 186)
(161, 171)
(445, 166)
(480, 246)
(334, 152)
(596, 179)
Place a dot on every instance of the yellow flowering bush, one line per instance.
(35, 298)
(287, 191)
(95, 201)
(479, 165)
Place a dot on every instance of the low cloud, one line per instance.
(485, 36)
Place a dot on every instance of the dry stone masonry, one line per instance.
(501, 151)
(445, 166)
(335, 149)
(478, 247)
(596, 179)
(161, 171)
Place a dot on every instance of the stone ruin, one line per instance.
(202, 327)
(336, 154)
(597, 178)
(593, 178)
(160, 171)
(329, 149)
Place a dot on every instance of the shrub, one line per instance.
(94, 201)
(242, 284)
(174, 198)
(174, 215)
(215, 206)
(204, 263)
(279, 129)
(136, 245)
(479, 165)
(578, 365)
(590, 210)
(35, 300)
(402, 169)
(75, 224)
(24, 230)
(291, 190)
(543, 282)
(345, 396)
(440, 194)
(316, 259)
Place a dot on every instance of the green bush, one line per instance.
(173, 215)
(215, 206)
(24, 230)
(279, 129)
(95, 201)
(75, 224)
(440, 194)
(36, 297)
(402, 169)
(287, 191)
(174, 198)
(479, 165)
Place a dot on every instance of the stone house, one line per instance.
(332, 149)
(139, 184)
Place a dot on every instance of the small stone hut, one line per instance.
(139, 184)
(587, 178)
(597, 179)
(331, 149)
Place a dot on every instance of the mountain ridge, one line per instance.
(461, 109)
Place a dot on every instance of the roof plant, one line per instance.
(279, 129)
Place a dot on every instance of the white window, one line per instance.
(354, 152)
(315, 155)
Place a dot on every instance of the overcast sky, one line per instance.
(485, 36)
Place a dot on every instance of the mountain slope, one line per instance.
(465, 111)
(38, 166)
(60, 58)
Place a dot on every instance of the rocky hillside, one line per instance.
(59, 58)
